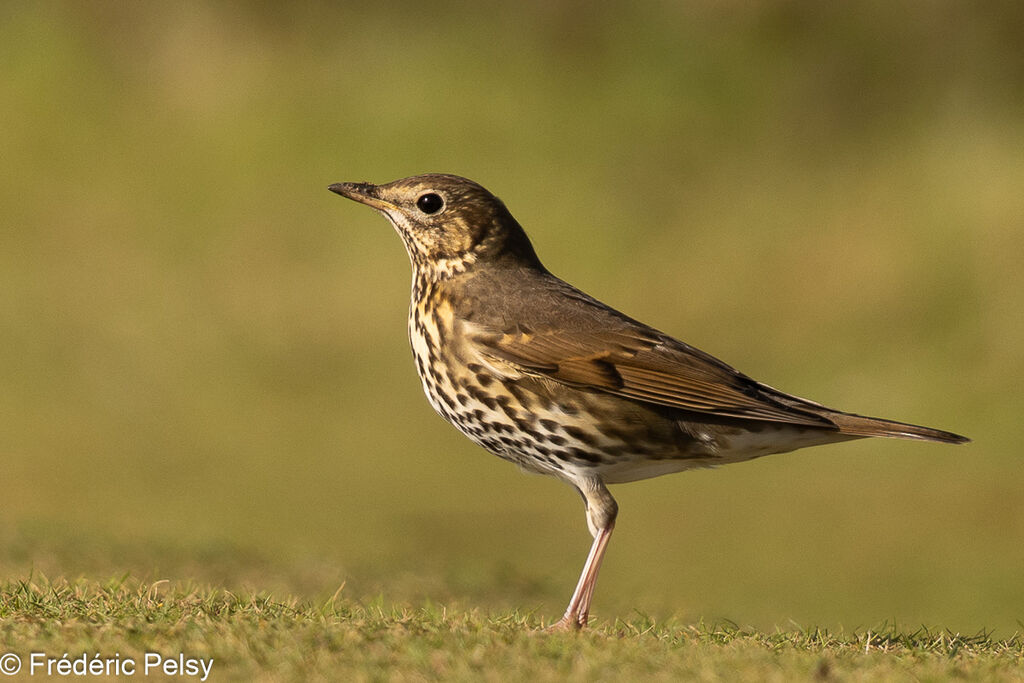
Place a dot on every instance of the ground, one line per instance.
(260, 637)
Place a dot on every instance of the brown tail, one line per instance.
(858, 425)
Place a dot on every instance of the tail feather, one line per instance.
(858, 425)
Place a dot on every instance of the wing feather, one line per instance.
(644, 365)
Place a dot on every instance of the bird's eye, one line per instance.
(430, 203)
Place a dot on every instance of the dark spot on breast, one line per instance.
(550, 425)
(470, 428)
(580, 435)
(432, 368)
(505, 401)
(446, 398)
(532, 433)
(586, 456)
(481, 396)
(521, 395)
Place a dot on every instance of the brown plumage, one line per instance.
(541, 374)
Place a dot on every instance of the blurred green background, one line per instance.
(205, 374)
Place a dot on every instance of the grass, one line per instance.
(256, 636)
(205, 377)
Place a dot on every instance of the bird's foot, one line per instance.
(567, 624)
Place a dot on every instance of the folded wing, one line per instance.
(642, 364)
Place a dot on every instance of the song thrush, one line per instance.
(541, 374)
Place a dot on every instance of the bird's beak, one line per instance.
(364, 193)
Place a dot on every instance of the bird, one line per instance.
(541, 374)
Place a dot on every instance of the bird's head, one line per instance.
(447, 223)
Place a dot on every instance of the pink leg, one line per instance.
(578, 611)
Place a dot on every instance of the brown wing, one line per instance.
(642, 364)
(544, 327)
